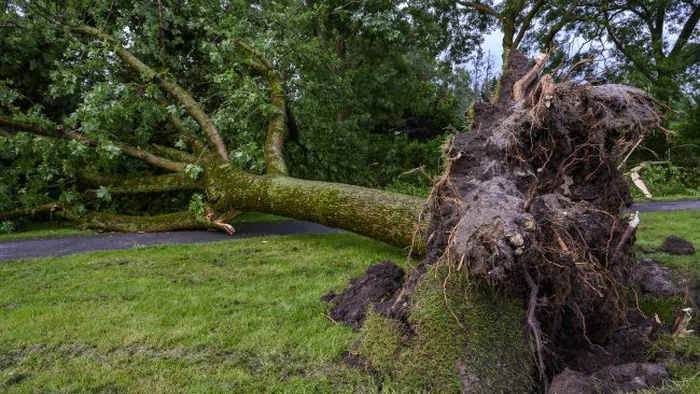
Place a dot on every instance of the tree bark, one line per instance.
(390, 217)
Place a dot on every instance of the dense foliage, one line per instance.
(365, 83)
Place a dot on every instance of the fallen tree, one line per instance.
(385, 216)
(526, 228)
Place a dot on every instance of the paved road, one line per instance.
(61, 246)
(22, 249)
(667, 206)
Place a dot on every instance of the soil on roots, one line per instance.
(533, 206)
(534, 191)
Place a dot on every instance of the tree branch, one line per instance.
(150, 158)
(173, 154)
(481, 8)
(528, 21)
(158, 223)
(556, 28)
(657, 34)
(686, 32)
(139, 185)
(277, 122)
(193, 108)
(30, 211)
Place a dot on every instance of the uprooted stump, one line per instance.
(533, 210)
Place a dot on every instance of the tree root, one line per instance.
(535, 329)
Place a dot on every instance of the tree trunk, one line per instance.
(385, 216)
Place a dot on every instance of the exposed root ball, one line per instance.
(532, 206)
(534, 186)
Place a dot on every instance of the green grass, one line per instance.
(675, 197)
(655, 227)
(682, 354)
(241, 316)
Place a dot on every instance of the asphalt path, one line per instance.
(667, 206)
(61, 246)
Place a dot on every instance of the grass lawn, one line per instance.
(653, 229)
(238, 316)
(242, 316)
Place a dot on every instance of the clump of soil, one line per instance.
(614, 379)
(678, 245)
(653, 279)
(375, 288)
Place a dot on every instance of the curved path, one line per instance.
(22, 249)
(666, 206)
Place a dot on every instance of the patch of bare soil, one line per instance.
(375, 288)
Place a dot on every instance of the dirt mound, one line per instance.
(678, 245)
(613, 379)
(653, 279)
(625, 345)
(630, 377)
(375, 288)
(570, 382)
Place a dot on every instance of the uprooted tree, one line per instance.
(525, 237)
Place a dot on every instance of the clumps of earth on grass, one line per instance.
(375, 288)
(678, 245)
(653, 279)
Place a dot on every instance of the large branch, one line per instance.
(483, 8)
(150, 158)
(140, 185)
(173, 154)
(385, 216)
(29, 211)
(277, 122)
(276, 127)
(157, 223)
(528, 21)
(656, 30)
(556, 28)
(687, 31)
(193, 108)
